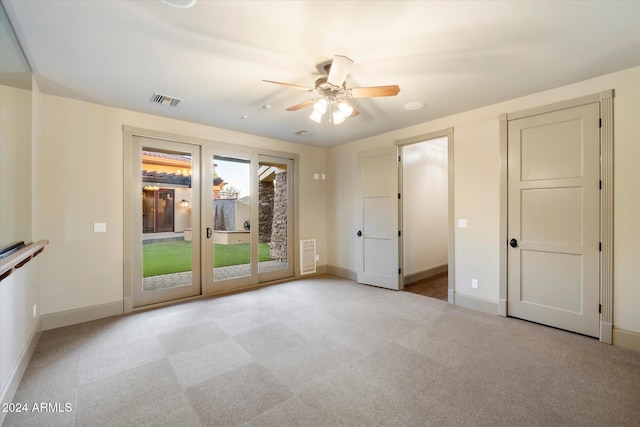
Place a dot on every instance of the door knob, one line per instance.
(359, 233)
(513, 243)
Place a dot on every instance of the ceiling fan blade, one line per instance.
(370, 92)
(339, 69)
(301, 105)
(289, 85)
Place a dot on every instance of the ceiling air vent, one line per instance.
(165, 100)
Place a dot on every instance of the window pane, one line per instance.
(166, 219)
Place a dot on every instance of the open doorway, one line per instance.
(425, 217)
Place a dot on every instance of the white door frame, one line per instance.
(605, 99)
(451, 252)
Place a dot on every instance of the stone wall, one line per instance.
(224, 218)
(279, 225)
(265, 211)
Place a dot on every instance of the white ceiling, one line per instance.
(452, 55)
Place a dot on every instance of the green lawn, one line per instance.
(175, 257)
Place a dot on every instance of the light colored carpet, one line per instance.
(326, 351)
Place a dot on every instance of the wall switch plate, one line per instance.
(100, 227)
(462, 223)
(317, 257)
(324, 177)
(35, 310)
(316, 176)
(474, 283)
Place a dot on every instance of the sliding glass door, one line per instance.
(203, 220)
(275, 226)
(165, 249)
(247, 217)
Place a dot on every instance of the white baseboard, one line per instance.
(345, 273)
(425, 274)
(626, 339)
(13, 381)
(478, 304)
(81, 315)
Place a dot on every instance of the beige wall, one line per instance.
(15, 171)
(75, 190)
(20, 291)
(477, 191)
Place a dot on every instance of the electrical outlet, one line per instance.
(474, 283)
(317, 257)
(100, 227)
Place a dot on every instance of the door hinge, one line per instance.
(398, 196)
(601, 184)
(399, 233)
(399, 271)
(599, 308)
(600, 246)
(398, 158)
(600, 123)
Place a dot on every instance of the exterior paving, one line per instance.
(174, 280)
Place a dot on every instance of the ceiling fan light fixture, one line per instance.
(345, 109)
(316, 116)
(320, 106)
(338, 117)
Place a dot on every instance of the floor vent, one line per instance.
(307, 256)
(165, 100)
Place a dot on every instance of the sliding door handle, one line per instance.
(209, 233)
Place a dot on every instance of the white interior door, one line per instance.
(378, 235)
(553, 219)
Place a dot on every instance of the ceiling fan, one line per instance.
(334, 94)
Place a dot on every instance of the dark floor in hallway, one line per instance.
(434, 286)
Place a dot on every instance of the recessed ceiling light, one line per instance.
(414, 105)
(266, 106)
(182, 4)
(244, 116)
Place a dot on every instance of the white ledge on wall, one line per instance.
(19, 258)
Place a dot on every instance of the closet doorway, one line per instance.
(426, 215)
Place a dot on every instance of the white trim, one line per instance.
(475, 303)
(557, 106)
(81, 315)
(626, 339)
(606, 217)
(14, 378)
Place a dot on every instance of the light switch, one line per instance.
(316, 176)
(100, 227)
(462, 223)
